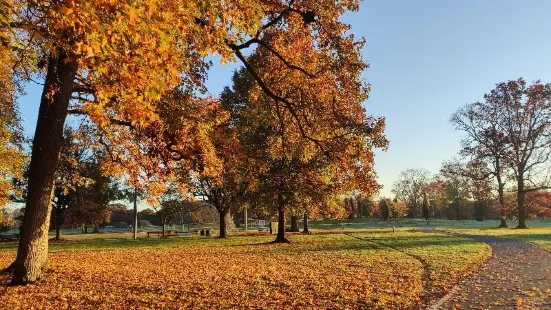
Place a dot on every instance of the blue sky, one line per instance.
(427, 59)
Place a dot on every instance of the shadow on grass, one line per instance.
(108, 243)
(299, 243)
(359, 242)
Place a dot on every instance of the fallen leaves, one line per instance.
(319, 271)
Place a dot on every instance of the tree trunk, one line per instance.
(281, 221)
(501, 200)
(294, 224)
(86, 229)
(520, 200)
(32, 253)
(96, 228)
(58, 222)
(163, 227)
(57, 232)
(135, 213)
(223, 224)
(305, 224)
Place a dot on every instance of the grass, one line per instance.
(314, 271)
(404, 223)
(537, 235)
(445, 258)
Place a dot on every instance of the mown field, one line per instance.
(539, 235)
(363, 270)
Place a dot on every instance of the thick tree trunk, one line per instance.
(135, 213)
(501, 200)
(223, 224)
(294, 224)
(305, 224)
(32, 254)
(520, 200)
(280, 238)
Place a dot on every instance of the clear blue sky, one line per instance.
(427, 59)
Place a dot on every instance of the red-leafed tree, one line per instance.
(524, 117)
(483, 142)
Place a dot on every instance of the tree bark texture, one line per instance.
(305, 224)
(280, 238)
(32, 253)
(294, 224)
(223, 225)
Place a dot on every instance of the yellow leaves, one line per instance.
(12, 157)
(83, 49)
(89, 52)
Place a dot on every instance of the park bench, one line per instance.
(171, 233)
(158, 233)
(9, 238)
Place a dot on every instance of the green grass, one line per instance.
(537, 235)
(361, 223)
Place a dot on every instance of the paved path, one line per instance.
(517, 276)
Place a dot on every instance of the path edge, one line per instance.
(442, 300)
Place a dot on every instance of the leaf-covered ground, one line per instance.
(445, 258)
(317, 271)
(517, 276)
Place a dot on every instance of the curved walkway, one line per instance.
(517, 276)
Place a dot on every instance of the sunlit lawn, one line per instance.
(536, 235)
(315, 271)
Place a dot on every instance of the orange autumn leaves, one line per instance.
(174, 149)
(12, 157)
(133, 57)
(330, 271)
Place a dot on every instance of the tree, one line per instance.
(484, 142)
(524, 116)
(166, 212)
(437, 197)
(305, 228)
(538, 204)
(69, 174)
(112, 60)
(94, 51)
(474, 179)
(426, 208)
(227, 188)
(456, 194)
(90, 205)
(384, 209)
(352, 206)
(410, 187)
(298, 150)
(12, 156)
